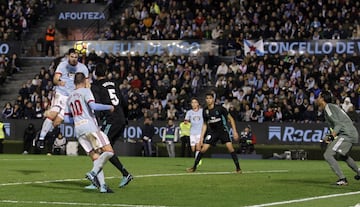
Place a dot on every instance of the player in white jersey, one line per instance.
(81, 104)
(195, 116)
(64, 85)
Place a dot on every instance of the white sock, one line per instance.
(99, 163)
(46, 127)
(101, 177)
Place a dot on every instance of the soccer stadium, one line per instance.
(174, 103)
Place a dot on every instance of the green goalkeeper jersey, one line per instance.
(341, 123)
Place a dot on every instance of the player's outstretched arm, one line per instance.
(68, 119)
(101, 107)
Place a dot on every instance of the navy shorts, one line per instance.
(114, 132)
(213, 137)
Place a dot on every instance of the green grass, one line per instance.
(39, 180)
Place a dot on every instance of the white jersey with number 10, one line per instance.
(84, 118)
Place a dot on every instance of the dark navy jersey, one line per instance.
(216, 118)
(108, 92)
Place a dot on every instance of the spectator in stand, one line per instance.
(278, 114)
(257, 114)
(39, 111)
(309, 115)
(234, 113)
(14, 64)
(217, 33)
(18, 112)
(7, 111)
(171, 111)
(172, 96)
(354, 116)
(347, 104)
(136, 82)
(269, 114)
(160, 113)
(50, 41)
(4, 65)
(29, 111)
(134, 109)
(246, 113)
(222, 69)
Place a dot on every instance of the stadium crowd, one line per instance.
(16, 17)
(229, 22)
(269, 88)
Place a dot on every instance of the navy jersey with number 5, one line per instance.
(108, 92)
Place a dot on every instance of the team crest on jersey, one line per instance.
(208, 137)
(207, 111)
(71, 75)
(71, 69)
(196, 118)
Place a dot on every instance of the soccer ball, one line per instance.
(80, 47)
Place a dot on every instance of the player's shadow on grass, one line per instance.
(66, 185)
(28, 172)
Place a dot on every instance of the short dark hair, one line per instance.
(100, 70)
(327, 96)
(79, 78)
(210, 93)
(72, 50)
(196, 99)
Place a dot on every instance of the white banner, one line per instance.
(152, 47)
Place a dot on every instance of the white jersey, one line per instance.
(67, 73)
(196, 120)
(84, 117)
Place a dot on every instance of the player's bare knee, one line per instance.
(50, 115)
(57, 121)
(93, 155)
(108, 148)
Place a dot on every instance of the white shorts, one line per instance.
(93, 140)
(58, 104)
(194, 139)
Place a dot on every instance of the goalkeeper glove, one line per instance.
(328, 138)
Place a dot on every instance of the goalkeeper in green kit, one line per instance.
(340, 141)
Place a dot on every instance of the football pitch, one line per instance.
(40, 180)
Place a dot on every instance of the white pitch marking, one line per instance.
(116, 205)
(26, 159)
(74, 203)
(144, 176)
(306, 199)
